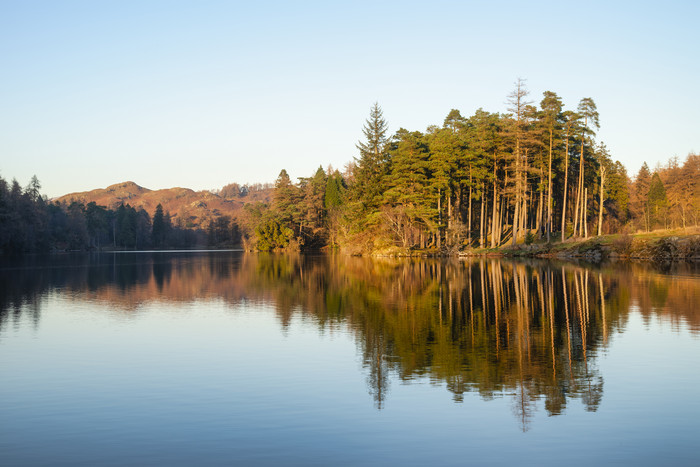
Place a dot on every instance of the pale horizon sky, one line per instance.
(202, 94)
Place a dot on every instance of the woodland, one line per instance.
(534, 174)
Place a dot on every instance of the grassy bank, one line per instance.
(659, 245)
(666, 245)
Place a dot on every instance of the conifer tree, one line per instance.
(641, 190)
(551, 114)
(372, 163)
(518, 103)
(588, 111)
(656, 201)
(158, 230)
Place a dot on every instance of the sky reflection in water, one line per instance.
(260, 359)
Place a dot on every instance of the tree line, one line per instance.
(668, 197)
(30, 223)
(535, 173)
(487, 180)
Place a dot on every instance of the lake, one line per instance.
(232, 358)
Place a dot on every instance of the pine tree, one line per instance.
(551, 117)
(372, 164)
(588, 111)
(641, 190)
(158, 230)
(657, 201)
(518, 103)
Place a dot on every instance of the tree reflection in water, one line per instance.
(529, 330)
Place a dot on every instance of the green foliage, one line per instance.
(484, 176)
(335, 191)
(272, 235)
(373, 164)
(529, 237)
(657, 201)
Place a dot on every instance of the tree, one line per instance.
(158, 231)
(586, 109)
(640, 206)
(517, 106)
(33, 189)
(444, 150)
(410, 211)
(603, 164)
(285, 199)
(98, 219)
(371, 166)
(454, 121)
(478, 169)
(551, 115)
(570, 121)
(334, 201)
(617, 195)
(335, 190)
(656, 201)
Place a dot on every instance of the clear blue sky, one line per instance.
(201, 93)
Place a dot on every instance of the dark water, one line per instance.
(232, 358)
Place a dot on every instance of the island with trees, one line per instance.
(485, 183)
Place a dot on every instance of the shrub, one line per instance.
(623, 244)
(529, 237)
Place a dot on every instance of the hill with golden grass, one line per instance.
(187, 207)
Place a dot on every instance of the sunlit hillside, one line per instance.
(187, 207)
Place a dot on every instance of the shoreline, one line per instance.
(659, 246)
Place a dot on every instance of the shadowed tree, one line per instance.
(158, 230)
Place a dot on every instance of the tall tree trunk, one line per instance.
(494, 220)
(483, 215)
(523, 210)
(516, 214)
(566, 187)
(516, 218)
(502, 218)
(469, 217)
(439, 207)
(525, 186)
(577, 214)
(548, 226)
(581, 193)
(449, 218)
(600, 211)
(584, 220)
(540, 210)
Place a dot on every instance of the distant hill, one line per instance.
(194, 208)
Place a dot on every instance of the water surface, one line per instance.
(230, 358)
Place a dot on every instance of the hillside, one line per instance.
(191, 208)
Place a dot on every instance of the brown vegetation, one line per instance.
(187, 207)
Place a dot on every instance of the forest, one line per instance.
(483, 181)
(31, 223)
(534, 174)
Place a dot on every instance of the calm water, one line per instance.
(232, 358)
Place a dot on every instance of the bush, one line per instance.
(529, 237)
(271, 235)
(623, 244)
